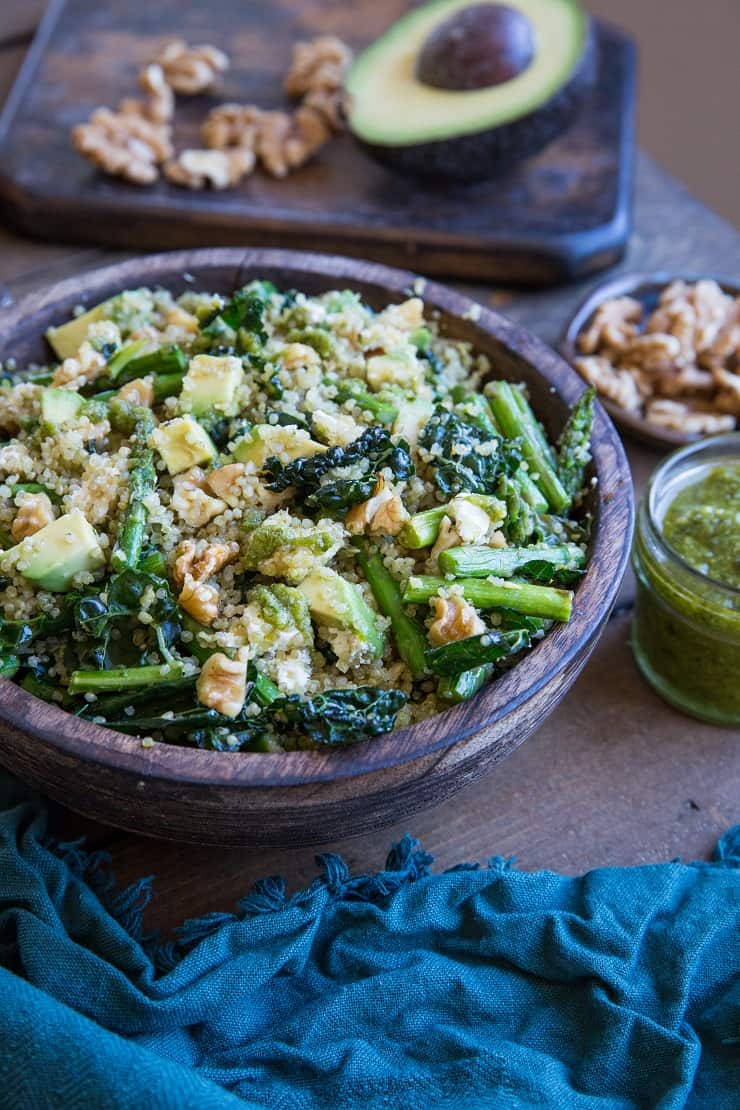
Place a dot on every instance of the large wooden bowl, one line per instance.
(313, 797)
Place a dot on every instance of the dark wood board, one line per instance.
(563, 214)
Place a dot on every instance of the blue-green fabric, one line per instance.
(473, 988)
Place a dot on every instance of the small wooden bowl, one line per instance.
(301, 798)
(645, 288)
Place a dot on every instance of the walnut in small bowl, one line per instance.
(663, 354)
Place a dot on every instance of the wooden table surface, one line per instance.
(613, 777)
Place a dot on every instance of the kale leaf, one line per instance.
(459, 464)
(115, 607)
(342, 716)
(240, 323)
(318, 487)
(335, 717)
(546, 573)
(18, 636)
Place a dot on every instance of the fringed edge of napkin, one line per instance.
(406, 863)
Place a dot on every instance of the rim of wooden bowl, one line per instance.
(595, 593)
(624, 286)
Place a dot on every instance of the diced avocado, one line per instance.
(59, 406)
(412, 416)
(461, 90)
(283, 548)
(212, 383)
(278, 617)
(182, 443)
(54, 555)
(340, 604)
(398, 367)
(67, 339)
(286, 443)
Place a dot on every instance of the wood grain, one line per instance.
(562, 214)
(244, 798)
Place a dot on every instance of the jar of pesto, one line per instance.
(686, 556)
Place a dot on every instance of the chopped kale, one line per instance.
(316, 481)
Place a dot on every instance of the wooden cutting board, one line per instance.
(561, 215)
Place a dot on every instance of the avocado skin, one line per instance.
(491, 153)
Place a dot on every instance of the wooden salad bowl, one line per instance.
(306, 797)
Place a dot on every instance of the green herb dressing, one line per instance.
(686, 629)
(702, 524)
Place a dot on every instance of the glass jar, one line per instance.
(686, 626)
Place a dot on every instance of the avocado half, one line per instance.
(462, 90)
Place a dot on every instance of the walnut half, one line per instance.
(221, 169)
(455, 619)
(124, 144)
(191, 69)
(35, 511)
(222, 684)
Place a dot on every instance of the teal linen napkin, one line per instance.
(472, 988)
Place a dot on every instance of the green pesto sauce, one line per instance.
(702, 524)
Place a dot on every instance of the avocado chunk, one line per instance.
(67, 339)
(340, 604)
(59, 406)
(464, 91)
(55, 554)
(411, 418)
(211, 385)
(399, 367)
(282, 547)
(182, 443)
(285, 443)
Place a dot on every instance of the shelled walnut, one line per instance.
(221, 169)
(124, 144)
(676, 366)
(191, 69)
(135, 141)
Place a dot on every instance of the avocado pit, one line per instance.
(476, 48)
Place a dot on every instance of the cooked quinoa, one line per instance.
(275, 520)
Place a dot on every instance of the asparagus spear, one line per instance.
(142, 481)
(353, 390)
(123, 678)
(166, 385)
(529, 491)
(520, 520)
(408, 634)
(164, 361)
(185, 719)
(475, 410)
(523, 597)
(475, 561)
(265, 690)
(475, 651)
(122, 358)
(574, 450)
(422, 529)
(516, 423)
(526, 410)
(116, 703)
(460, 687)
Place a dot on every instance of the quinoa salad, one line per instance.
(274, 521)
